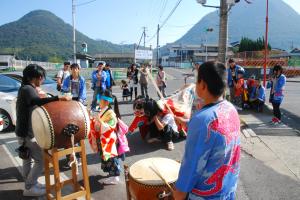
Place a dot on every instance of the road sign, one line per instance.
(143, 54)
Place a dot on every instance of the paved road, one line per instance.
(255, 180)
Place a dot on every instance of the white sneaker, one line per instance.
(34, 191)
(113, 180)
(170, 146)
(238, 108)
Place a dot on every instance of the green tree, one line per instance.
(247, 44)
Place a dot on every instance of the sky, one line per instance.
(120, 21)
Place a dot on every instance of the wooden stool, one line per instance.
(53, 159)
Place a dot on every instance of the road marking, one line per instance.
(17, 162)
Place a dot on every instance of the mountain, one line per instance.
(248, 20)
(41, 35)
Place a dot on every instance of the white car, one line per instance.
(8, 97)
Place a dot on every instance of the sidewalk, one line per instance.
(282, 140)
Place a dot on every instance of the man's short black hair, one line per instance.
(67, 63)
(160, 67)
(277, 68)
(231, 60)
(214, 75)
(75, 65)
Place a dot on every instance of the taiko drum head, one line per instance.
(143, 171)
(53, 123)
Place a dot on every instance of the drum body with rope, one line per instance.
(54, 122)
(151, 178)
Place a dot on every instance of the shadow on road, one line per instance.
(10, 175)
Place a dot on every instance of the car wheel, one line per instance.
(7, 123)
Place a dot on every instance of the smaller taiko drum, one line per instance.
(55, 122)
(145, 178)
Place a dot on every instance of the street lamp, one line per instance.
(224, 7)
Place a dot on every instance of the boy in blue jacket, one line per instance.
(75, 84)
(258, 96)
(98, 83)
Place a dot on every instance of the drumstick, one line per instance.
(161, 177)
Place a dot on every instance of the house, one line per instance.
(116, 59)
(6, 61)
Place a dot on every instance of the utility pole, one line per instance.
(180, 55)
(223, 31)
(144, 33)
(157, 47)
(266, 44)
(74, 38)
(134, 48)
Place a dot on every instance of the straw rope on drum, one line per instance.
(74, 161)
(50, 126)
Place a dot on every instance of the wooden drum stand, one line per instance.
(52, 157)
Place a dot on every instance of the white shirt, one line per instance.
(168, 119)
(75, 87)
(63, 74)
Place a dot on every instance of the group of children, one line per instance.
(248, 93)
(251, 93)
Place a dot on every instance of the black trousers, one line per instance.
(276, 110)
(257, 105)
(167, 134)
(135, 92)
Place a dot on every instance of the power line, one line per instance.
(180, 26)
(165, 21)
(170, 13)
(163, 9)
(88, 2)
(140, 40)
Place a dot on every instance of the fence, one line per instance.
(21, 64)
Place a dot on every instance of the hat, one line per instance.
(107, 96)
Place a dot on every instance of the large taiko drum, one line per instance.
(54, 122)
(145, 182)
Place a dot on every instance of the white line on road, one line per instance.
(17, 162)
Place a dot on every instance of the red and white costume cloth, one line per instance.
(103, 135)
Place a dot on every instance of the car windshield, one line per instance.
(18, 77)
(9, 84)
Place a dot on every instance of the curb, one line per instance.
(247, 132)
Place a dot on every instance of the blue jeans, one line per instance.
(144, 90)
(97, 90)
